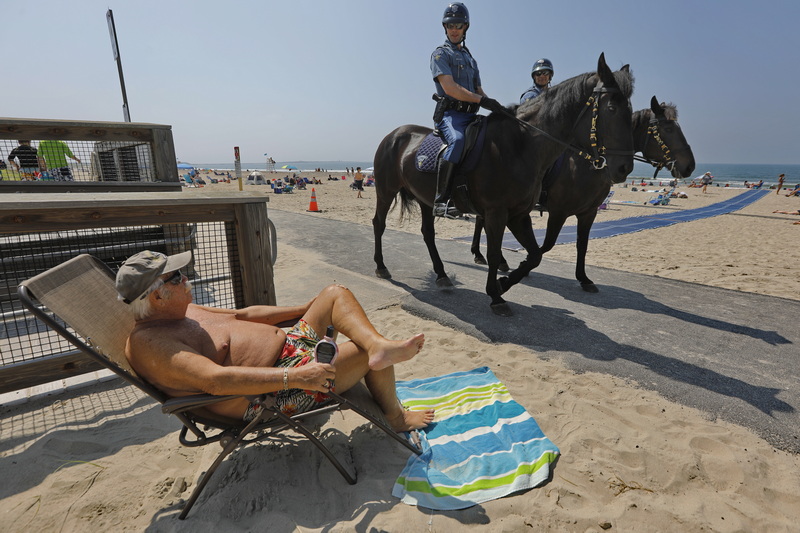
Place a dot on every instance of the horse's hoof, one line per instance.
(383, 273)
(503, 284)
(444, 283)
(503, 267)
(501, 309)
(480, 260)
(590, 287)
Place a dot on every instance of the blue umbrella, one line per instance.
(185, 166)
(289, 167)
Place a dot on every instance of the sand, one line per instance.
(105, 459)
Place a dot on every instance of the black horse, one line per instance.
(588, 110)
(577, 189)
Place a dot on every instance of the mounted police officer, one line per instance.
(542, 74)
(459, 94)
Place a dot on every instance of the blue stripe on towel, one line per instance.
(482, 445)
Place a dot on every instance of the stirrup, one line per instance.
(446, 210)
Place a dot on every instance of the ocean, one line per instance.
(732, 175)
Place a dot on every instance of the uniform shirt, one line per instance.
(532, 92)
(448, 59)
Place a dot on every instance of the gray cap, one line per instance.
(140, 271)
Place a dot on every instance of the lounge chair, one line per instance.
(81, 293)
(662, 199)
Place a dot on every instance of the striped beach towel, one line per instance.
(482, 445)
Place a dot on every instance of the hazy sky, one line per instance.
(327, 80)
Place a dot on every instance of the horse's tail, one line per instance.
(408, 204)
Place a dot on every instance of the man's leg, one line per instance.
(337, 306)
(444, 188)
(353, 364)
(451, 130)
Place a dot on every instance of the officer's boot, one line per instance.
(444, 187)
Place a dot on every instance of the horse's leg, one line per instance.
(585, 221)
(476, 247)
(522, 228)
(554, 224)
(429, 235)
(378, 227)
(495, 226)
(476, 242)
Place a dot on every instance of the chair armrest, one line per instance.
(187, 403)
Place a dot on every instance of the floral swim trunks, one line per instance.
(297, 351)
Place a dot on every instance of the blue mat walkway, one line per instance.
(612, 228)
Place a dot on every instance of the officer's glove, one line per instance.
(492, 105)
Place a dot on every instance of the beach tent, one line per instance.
(256, 178)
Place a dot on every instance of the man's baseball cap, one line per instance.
(140, 271)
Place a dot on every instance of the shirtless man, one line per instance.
(182, 348)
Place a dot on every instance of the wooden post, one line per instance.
(255, 256)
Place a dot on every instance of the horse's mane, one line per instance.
(670, 112)
(553, 103)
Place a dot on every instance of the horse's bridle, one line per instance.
(652, 131)
(597, 155)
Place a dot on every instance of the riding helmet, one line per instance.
(455, 12)
(542, 64)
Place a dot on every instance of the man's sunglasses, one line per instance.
(542, 73)
(455, 25)
(176, 278)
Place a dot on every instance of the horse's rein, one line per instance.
(596, 158)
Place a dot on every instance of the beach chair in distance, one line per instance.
(605, 203)
(81, 294)
(662, 199)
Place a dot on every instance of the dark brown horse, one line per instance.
(577, 189)
(588, 110)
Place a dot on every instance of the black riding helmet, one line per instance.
(456, 12)
(542, 64)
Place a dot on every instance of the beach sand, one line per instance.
(105, 458)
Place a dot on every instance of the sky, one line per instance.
(320, 80)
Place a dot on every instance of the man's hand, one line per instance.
(312, 376)
(492, 105)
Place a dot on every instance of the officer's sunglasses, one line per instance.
(542, 73)
(455, 25)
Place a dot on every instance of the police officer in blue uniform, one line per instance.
(458, 88)
(542, 74)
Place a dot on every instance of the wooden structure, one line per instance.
(113, 144)
(244, 214)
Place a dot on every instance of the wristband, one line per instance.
(286, 378)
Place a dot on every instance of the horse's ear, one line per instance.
(655, 107)
(604, 73)
(626, 68)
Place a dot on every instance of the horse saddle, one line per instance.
(432, 146)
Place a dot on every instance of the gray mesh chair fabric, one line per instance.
(80, 292)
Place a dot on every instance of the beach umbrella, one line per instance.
(289, 167)
(185, 166)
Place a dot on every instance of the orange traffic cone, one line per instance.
(313, 207)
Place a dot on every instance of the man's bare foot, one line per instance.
(408, 420)
(387, 353)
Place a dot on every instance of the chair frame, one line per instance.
(204, 426)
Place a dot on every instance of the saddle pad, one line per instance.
(428, 153)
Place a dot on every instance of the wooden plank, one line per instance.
(255, 265)
(44, 370)
(74, 130)
(60, 187)
(163, 150)
(106, 217)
